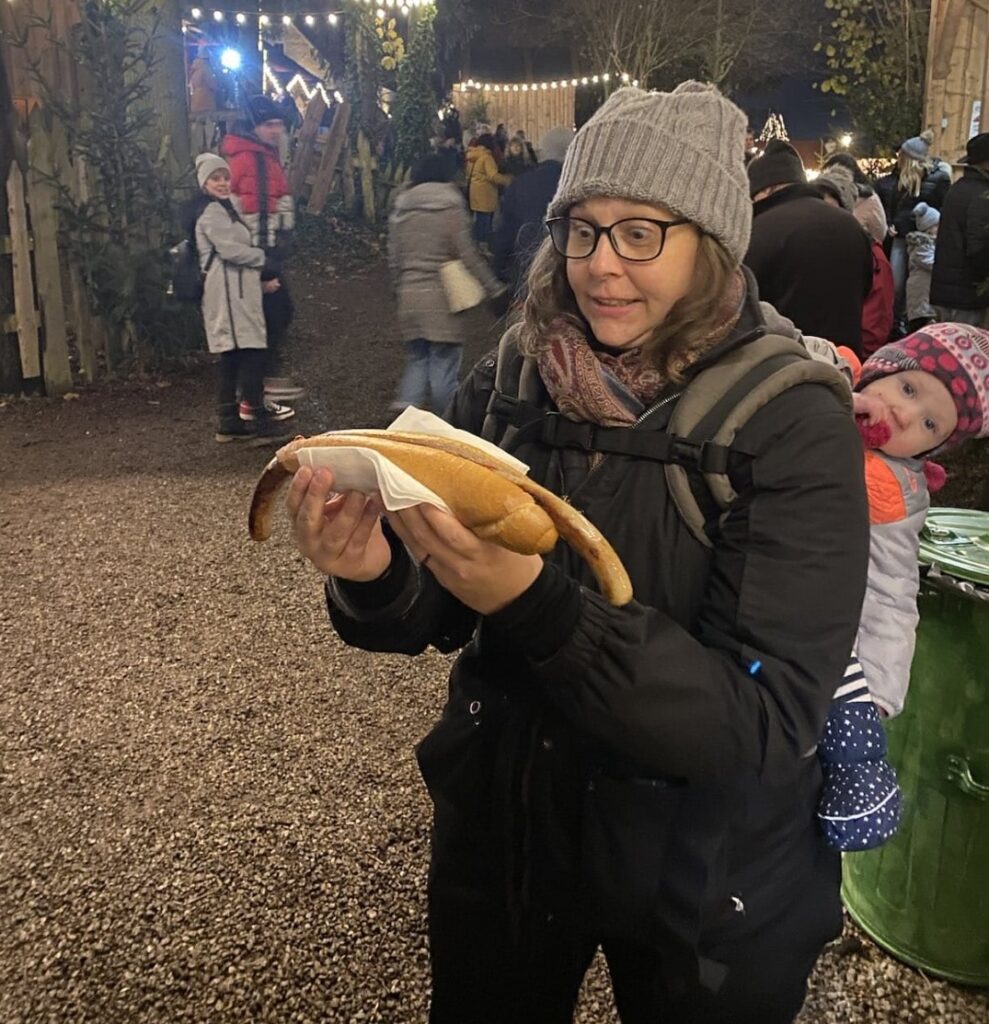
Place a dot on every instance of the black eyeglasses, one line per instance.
(637, 239)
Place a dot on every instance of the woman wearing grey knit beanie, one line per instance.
(637, 778)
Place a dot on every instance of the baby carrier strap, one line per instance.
(717, 404)
(697, 445)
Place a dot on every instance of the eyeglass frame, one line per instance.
(602, 229)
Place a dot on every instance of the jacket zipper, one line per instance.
(598, 458)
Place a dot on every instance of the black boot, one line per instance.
(268, 430)
(230, 426)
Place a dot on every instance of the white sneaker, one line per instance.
(274, 410)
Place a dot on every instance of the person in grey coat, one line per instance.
(232, 306)
(429, 227)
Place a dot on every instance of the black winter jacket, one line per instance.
(523, 210)
(961, 259)
(899, 204)
(633, 769)
(813, 262)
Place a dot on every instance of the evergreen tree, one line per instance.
(415, 108)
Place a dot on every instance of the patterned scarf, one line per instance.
(615, 389)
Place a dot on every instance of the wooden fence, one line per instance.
(956, 97)
(535, 111)
(40, 274)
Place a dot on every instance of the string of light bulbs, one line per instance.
(297, 83)
(561, 83)
(311, 19)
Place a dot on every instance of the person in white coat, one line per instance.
(232, 305)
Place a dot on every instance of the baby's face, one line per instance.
(920, 411)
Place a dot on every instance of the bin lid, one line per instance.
(956, 540)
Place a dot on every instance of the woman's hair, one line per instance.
(913, 171)
(432, 168)
(847, 160)
(516, 144)
(687, 327)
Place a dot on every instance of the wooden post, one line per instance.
(51, 303)
(331, 157)
(347, 178)
(367, 176)
(20, 247)
(304, 145)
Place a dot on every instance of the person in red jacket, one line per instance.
(259, 182)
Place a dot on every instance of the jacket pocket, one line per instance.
(652, 855)
(457, 757)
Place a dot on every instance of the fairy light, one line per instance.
(562, 83)
(310, 20)
(241, 18)
(218, 15)
(331, 18)
(264, 20)
(197, 13)
(286, 20)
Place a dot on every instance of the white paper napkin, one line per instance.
(360, 469)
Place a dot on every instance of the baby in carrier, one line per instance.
(914, 398)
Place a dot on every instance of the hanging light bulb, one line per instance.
(583, 81)
(264, 20)
(573, 82)
(606, 78)
(218, 15)
(332, 19)
(594, 79)
(197, 13)
(286, 20)
(241, 18)
(515, 88)
(310, 20)
(525, 88)
(405, 11)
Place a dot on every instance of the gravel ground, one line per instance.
(211, 810)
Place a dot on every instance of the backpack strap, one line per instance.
(717, 404)
(261, 165)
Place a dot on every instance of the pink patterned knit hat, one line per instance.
(958, 355)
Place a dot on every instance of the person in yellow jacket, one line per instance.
(483, 179)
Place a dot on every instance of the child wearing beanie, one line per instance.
(914, 397)
(920, 262)
(232, 303)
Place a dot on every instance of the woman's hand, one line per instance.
(269, 287)
(482, 575)
(341, 535)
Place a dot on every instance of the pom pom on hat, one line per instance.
(919, 147)
(926, 217)
(935, 475)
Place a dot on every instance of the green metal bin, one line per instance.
(924, 896)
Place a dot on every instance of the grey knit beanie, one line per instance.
(919, 147)
(207, 164)
(839, 182)
(684, 150)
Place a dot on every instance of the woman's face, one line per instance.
(218, 184)
(623, 301)
(515, 148)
